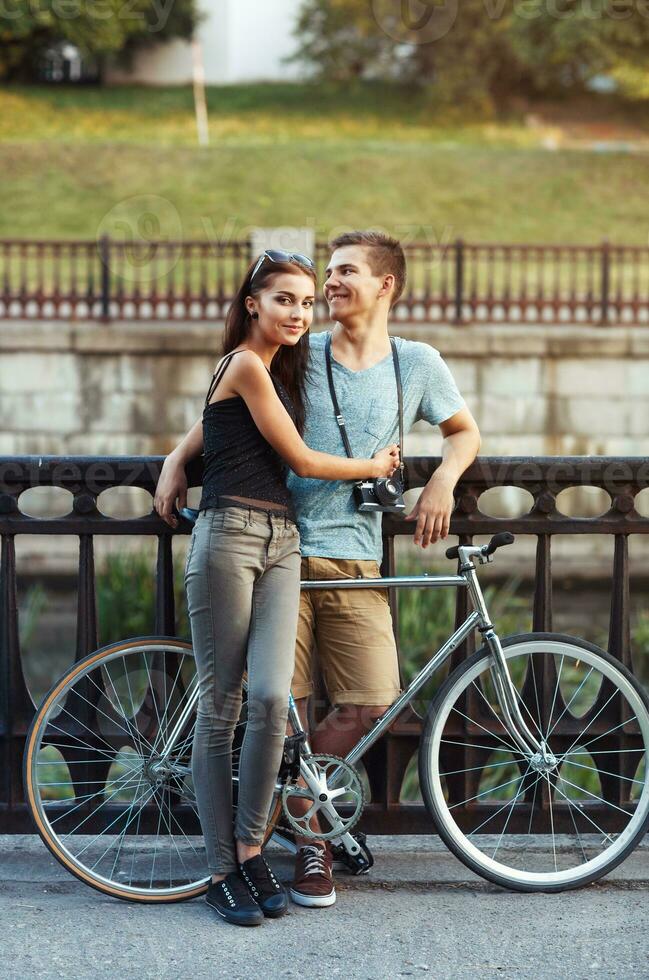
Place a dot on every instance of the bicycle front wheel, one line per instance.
(110, 803)
(587, 807)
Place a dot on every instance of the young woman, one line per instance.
(242, 574)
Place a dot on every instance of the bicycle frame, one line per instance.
(478, 619)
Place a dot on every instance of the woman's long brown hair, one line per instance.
(289, 364)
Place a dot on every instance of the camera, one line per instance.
(385, 494)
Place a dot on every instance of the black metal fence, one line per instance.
(455, 282)
(544, 478)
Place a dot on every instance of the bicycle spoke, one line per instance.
(582, 813)
(131, 728)
(490, 748)
(492, 765)
(181, 704)
(486, 792)
(529, 827)
(556, 691)
(605, 772)
(610, 731)
(123, 831)
(94, 708)
(567, 707)
(554, 847)
(594, 796)
(457, 711)
(83, 799)
(519, 791)
(492, 816)
(110, 751)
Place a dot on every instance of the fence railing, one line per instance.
(544, 478)
(458, 282)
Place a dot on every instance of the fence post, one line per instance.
(606, 279)
(459, 279)
(104, 255)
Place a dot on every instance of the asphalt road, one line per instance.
(419, 913)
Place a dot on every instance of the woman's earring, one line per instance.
(254, 316)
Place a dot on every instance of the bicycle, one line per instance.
(122, 721)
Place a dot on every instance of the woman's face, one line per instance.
(285, 308)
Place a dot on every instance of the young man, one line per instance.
(352, 629)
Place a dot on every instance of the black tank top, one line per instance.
(238, 460)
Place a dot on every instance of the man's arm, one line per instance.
(172, 485)
(435, 505)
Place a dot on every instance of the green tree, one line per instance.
(98, 28)
(475, 51)
(340, 40)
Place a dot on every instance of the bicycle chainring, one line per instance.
(318, 822)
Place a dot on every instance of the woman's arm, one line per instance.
(172, 486)
(248, 377)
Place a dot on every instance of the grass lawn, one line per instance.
(320, 156)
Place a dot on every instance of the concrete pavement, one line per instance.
(419, 913)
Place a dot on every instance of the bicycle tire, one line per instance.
(432, 768)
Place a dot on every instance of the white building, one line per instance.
(241, 41)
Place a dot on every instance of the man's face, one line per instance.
(350, 287)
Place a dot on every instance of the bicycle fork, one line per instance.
(506, 692)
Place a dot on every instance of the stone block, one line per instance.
(140, 373)
(605, 377)
(515, 376)
(23, 335)
(596, 417)
(28, 371)
(587, 341)
(515, 415)
(494, 444)
(192, 375)
(512, 340)
(465, 373)
(639, 418)
(57, 412)
(99, 375)
(638, 377)
(112, 413)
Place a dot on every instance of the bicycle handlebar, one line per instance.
(498, 541)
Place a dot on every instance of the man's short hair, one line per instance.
(384, 255)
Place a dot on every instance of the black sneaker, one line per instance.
(233, 902)
(264, 887)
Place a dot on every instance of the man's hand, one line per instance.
(171, 488)
(433, 511)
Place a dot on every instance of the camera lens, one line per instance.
(387, 490)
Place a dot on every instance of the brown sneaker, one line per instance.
(313, 884)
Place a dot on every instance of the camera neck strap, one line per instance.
(339, 416)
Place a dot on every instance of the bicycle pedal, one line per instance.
(356, 864)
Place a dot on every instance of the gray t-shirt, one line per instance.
(330, 524)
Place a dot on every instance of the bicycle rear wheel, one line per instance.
(587, 810)
(107, 807)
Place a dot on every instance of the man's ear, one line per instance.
(387, 286)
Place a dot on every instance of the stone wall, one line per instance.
(135, 388)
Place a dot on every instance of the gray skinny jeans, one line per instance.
(242, 578)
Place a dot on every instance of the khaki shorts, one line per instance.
(352, 629)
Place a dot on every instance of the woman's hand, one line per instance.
(387, 460)
(171, 487)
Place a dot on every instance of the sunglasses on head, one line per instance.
(278, 255)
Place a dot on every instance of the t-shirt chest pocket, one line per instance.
(381, 419)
